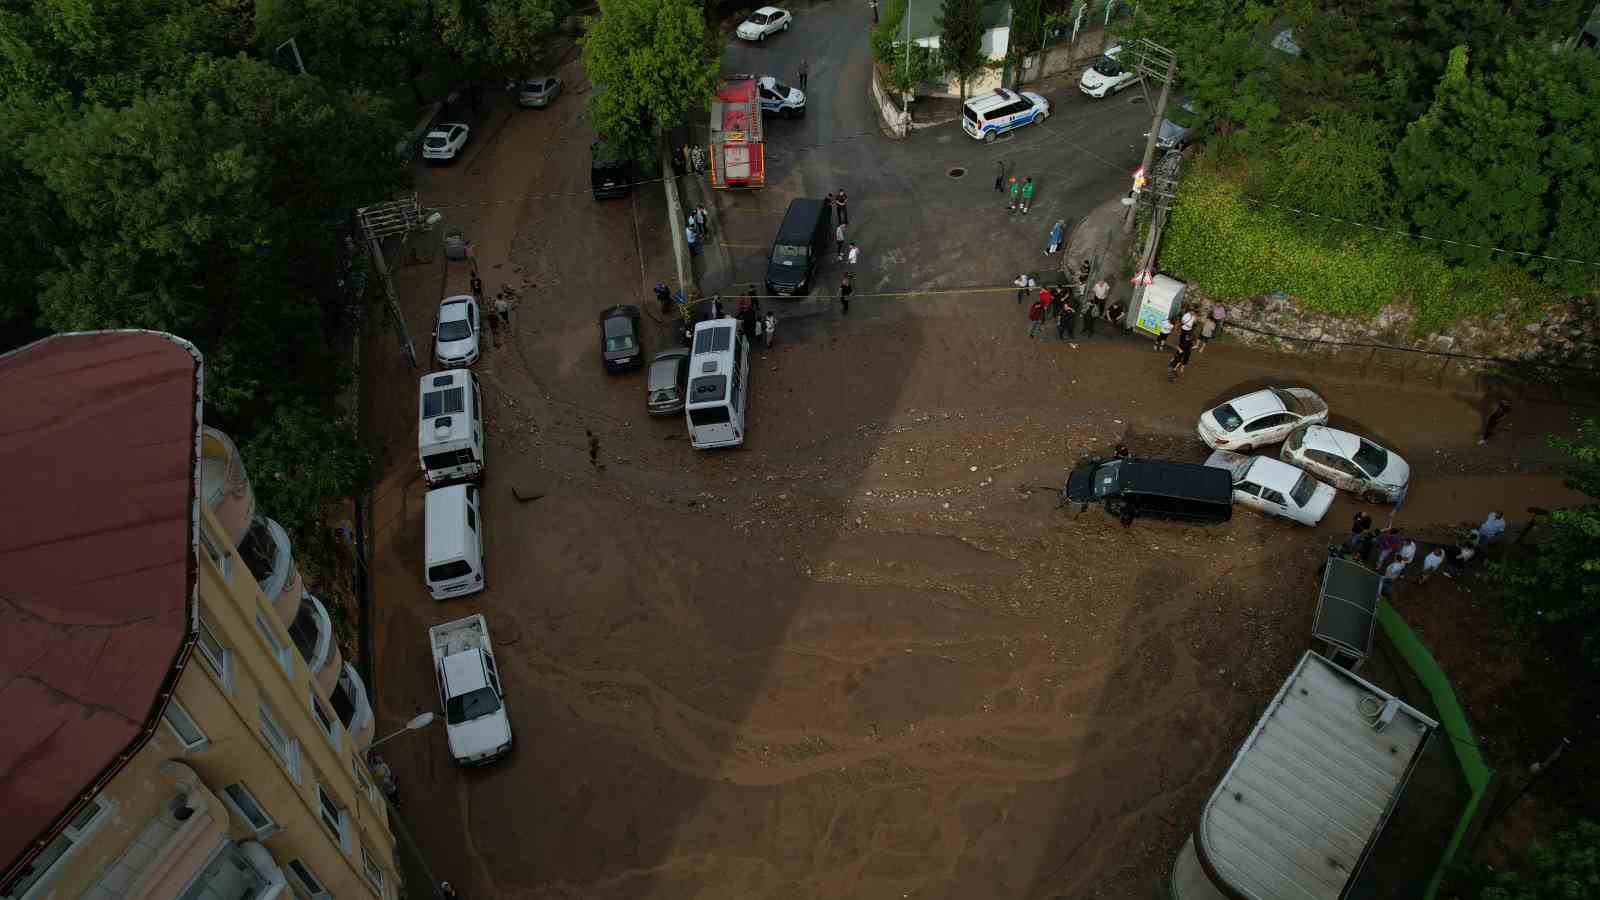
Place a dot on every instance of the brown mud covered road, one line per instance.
(865, 656)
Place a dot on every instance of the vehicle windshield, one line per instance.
(790, 254)
(435, 140)
(471, 705)
(1303, 490)
(1290, 402)
(781, 89)
(449, 571)
(1108, 67)
(710, 415)
(1372, 458)
(535, 87)
(455, 330)
(757, 19)
(1227, 417)
(663, 375)
(619, 342)
(1106, 478)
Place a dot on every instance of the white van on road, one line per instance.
(719, 376)
(453, 543)
(450, 441)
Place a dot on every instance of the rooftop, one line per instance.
(1309, 792)
(923, 16)
(97, 546)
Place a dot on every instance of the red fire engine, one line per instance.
(738, 158)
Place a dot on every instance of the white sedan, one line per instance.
(445, 142)
(764, 21)
(1260, 418)
(1350, 462)
(1275, 488)
(455, 337)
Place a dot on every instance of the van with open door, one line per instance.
(453, 541)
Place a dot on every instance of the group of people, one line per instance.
(695, 228)
(758, 327)
(1390, 552)
(1068, 301)
(1019, 194)
(837, 204)
(1189, 326)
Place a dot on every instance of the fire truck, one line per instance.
(738, 157)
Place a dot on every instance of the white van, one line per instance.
(453, 542)
(450, 428)
(987, 116)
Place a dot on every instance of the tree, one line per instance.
(961, 40)
(1026, 34)
(652, 61)
(1556, 588)
(1566, 868)
(1336, 164)
(371, 43)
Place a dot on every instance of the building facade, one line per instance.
(187, 726)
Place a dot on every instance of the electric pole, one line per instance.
(385, 220)
(1151, 55)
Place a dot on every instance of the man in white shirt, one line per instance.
(1431, 564)
(1492, 528)
(1407, 551)
(854, 254)
(1391, 575)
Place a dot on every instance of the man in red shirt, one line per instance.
(1035, 318)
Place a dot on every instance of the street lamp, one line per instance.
(419, 722)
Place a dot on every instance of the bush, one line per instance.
(885, 34)
(1234, 249)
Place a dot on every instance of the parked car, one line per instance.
(1260, 418)
(455, 333)
(1107, 75)
(987, 116)
(1276, 488)
(476, 725)
(1349, 462)
(666, 381)
(620, 348)
(444, 143)
(539, 91)
(777, 97)
(764, 21)
(1179, 127)
(1130, 488)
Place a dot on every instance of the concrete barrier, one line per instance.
(895, 122)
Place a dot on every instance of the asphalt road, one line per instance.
(918, 227)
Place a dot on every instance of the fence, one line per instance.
(1453, 719)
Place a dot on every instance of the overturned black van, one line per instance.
(801, 242)
(1130, 488)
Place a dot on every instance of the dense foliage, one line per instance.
(664, 61)
(166, 167)
(1567, 867)
(1442, 118)
(1555, 590)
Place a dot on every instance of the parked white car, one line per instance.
(444, 143)
(1260, 418)
(1349, 462)
(764, 21)
(1275, 488)
(1106, 75)
(455, 336)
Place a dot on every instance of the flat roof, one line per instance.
(444, 524)
(1308, 793)
(102, 441)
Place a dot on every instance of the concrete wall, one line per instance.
(1064, 57)
(897, 123)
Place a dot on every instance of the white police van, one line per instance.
(988, 116)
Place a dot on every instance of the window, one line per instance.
(287, 748)
(320, 713)
(1245, 487)
(84, 824)
(220, 557)
(443, 403)
(333, 815)
(306, 629)
(183, 725)
(373, 870)
(1272, 421)
(1272, 496)
(275, 645)
(472, 520)
(305, 884)
(360, 771)
(248, 806)
(219, 658)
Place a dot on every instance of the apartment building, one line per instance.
(179, 721)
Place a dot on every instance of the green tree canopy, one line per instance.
(1564, 868)
(961, 40)
(1336, 164)
(652, 61)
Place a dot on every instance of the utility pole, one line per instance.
(1151, 54)
(385, 220)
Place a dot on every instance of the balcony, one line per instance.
(224, 486)
(350, 704)
(312, 632)
(266, 552)
(184, 851)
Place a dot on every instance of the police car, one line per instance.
(988, 116)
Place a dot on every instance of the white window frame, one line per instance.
(221, 556)
(374, 872)
(279, 649)
(365, 781)
(305, 882)
(325, 799)
(325, 720)
(289, 752)
(75, 838)
(174, 715)
(262, 831)
(220, 659)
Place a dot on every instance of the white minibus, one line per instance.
(719, 384)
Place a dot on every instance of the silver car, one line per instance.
(540, 90)
(666, 381)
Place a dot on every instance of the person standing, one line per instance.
(1175, 366)
(1360, 523)
(1027, 193)
(477, 287)
(842, 201)
(702, 220)
(846, 288)
(446, 892)
(1000, 177)
(1186, 325)
(1166, 332)
(594, 448)
(838, 234)
(771, 326)
(1047, 298)
(854, 255)
(1218, 314)
(1057, 231)
(1091, 312)
(827, 205)
(1208, 329)
(1014, 191)
(1391, 574)
(1023, 282)
(692, 235)
(804, 71)
(1492, 528)
(1067, 323)
(1035, 318)
(874, 5)
(1407, 551)
(1388, 544)
(1431, 564)
(1502, 408)
(1083, 271)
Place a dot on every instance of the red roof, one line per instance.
(100, 446)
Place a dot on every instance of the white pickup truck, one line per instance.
(469, 688)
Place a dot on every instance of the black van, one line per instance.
(1153, 487)
(801, 242)
(610, 171)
